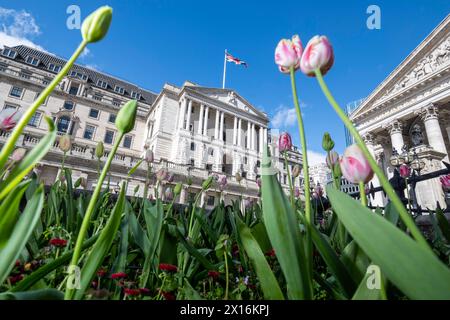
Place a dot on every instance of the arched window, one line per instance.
(63, 124)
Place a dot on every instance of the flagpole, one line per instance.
(224, 69)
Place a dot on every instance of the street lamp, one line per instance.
(395, 158)
(416, 163)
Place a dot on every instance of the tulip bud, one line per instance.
(126, 117)
(288, 54)
(355, 166)
(318, 190)
(177, 188)
(136, 189)
(332, 158)
(297, 192)
(96, 25)
(405, 171)
(77, 183)
(318, 55)
(296, 171)
(445, 182)
(337, 173)
(18, 154)
(64, 143)
(285, 142)
(170, 177)
(207, 183)
(258, 182)
(189, 181)
(238, 177)
(149, 157)
(9, 119)
(99, 150)
(222, 181)
(327, 142)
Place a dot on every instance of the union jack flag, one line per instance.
(230, 58)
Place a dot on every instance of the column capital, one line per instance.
(369, 138)
(394, 127)
(429, 112)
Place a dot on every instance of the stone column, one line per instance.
(239, 139)
(235, 131)
(183, 196)
(253, 136)
(182, 113)
(395, 129)
(188, 122)
(205, 125)
(200, 119)
(216, 125)
(248, 135)
(260, 139)
(433, 129)
(222, 116)
(378, 199)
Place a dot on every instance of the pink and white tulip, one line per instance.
(405, 171)
(445, 181)
(288, 54)
(354, 165)
(9, 119)
(318, 54)
(284, 142)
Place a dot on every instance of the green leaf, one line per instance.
(139, 235)
(102, 245)
(269, 283)
(154, 216)
(9, 211)
(443, 224)
(336, 267)
(21, 233)
(391, 214)
(121, 259)
(284, 233)
(189, 292)
(364, 292)
(414, 269)
(28, 162)
(43, 294)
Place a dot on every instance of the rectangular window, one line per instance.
(93, 113)
(89, 132)
(32, 60)
(116, 102)
(211, 200)
(16, 92)
(192, 146)
(109, 136)
(74, 89)
(192, 162)
(102, 84)
(112, 118)
(79, 75)
(119, 90)
(135, 95)
(209, 166)
(98, 97)
(35, 119)
(127, 142)
(54, 67)
(9, 106)
(68, 105)
(9, 53)
(25, 74)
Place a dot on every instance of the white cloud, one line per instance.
(18, 27)
(284, 117)
(86, 53)
(315, 157)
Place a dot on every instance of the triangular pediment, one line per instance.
(229, 97)
(430, 59)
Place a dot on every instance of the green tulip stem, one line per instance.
(226, 273)
(362, 192)
(289, 179)
(406, 217)
(25, 119)
(301, 131)
(90, 209)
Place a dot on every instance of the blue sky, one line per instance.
(156, 41)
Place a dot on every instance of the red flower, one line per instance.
(118, 275)
(132, 292)
(15, 279)
(94, 284)
(17, 263)
(168, 295)
(101, 273)
(144, 291)
(213, 274)
(270, 253)
(168, 267)
(58, 242)
(240, 269)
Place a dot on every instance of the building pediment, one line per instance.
(431, 59)
(230, 98)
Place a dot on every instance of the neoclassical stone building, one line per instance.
(193, 130)
(409, 113)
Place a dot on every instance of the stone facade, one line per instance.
(410, 112)
(194, 131)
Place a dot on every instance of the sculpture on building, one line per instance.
(416, 135)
